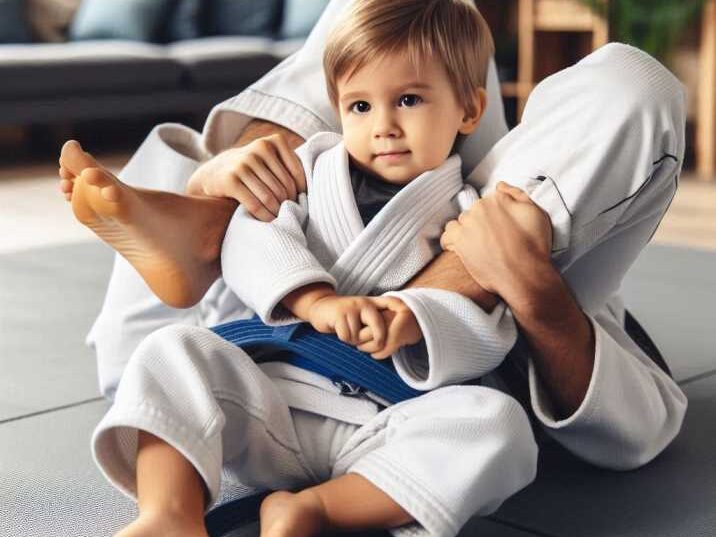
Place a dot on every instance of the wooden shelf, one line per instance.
(515, 89)
(706, 116)
(564, 16)
(549, 16)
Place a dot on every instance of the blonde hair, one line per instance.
(451, 31)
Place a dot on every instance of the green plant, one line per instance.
(652, 25)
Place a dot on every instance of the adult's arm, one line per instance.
(559, 334)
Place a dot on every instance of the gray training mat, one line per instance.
(49, 486)
(49, 298)
(672, 293)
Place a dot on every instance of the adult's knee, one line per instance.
(618, 83)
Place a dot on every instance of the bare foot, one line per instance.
(173, 241)
(165, 525)
(298, 515)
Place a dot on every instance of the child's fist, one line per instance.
(402, 327)
(346, 316)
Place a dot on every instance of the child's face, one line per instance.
(399, 122)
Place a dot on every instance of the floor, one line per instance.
(52, 280)
(39, 215)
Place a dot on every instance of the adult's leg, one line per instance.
(600, 148)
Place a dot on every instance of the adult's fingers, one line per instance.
(449, 236)
(261, 170)
(292, 162)
(275, 161)
(516, 193)
(259, 189)
(251, 203)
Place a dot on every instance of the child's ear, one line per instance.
(471, 121)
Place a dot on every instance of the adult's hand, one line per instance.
(498, 237)
(260, 176)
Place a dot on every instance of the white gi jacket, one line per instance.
(600, 148)
(321, 238)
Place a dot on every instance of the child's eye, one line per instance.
(360, 107)
(409, 100)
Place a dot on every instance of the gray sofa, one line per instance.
(49, 83)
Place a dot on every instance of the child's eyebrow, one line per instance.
(400, 89)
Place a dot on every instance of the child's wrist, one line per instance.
(300, 301)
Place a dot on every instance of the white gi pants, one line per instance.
(444, 456)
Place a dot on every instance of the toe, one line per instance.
(66, 186)
(97, 177)
(74, 158)
(66, 174)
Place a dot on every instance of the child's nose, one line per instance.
(385, 126)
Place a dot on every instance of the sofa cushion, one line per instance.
(187, 21)
(136, 20)
(244, 17)
(13, 26)
(299, 17)
(49, 69)
(223, 61)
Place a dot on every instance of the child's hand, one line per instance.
(346, 316)
(403, 328)
(260, 176)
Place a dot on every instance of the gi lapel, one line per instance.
(402, 237)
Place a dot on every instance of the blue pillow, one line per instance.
(13, 26)
(245, 17)
(187, 21)
(299, 17)
(135, 20)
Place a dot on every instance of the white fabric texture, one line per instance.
(321, 238)
(293, 95)
(214, 404)
(600, 148)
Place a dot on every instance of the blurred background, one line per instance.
(105, 72)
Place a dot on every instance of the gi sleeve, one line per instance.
(264, 261)
(461, 341)
(632, 409)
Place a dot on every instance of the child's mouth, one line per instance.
(392, 156)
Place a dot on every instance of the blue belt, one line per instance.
(299, 344)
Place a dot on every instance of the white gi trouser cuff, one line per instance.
(114, 446)
(600, 429)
